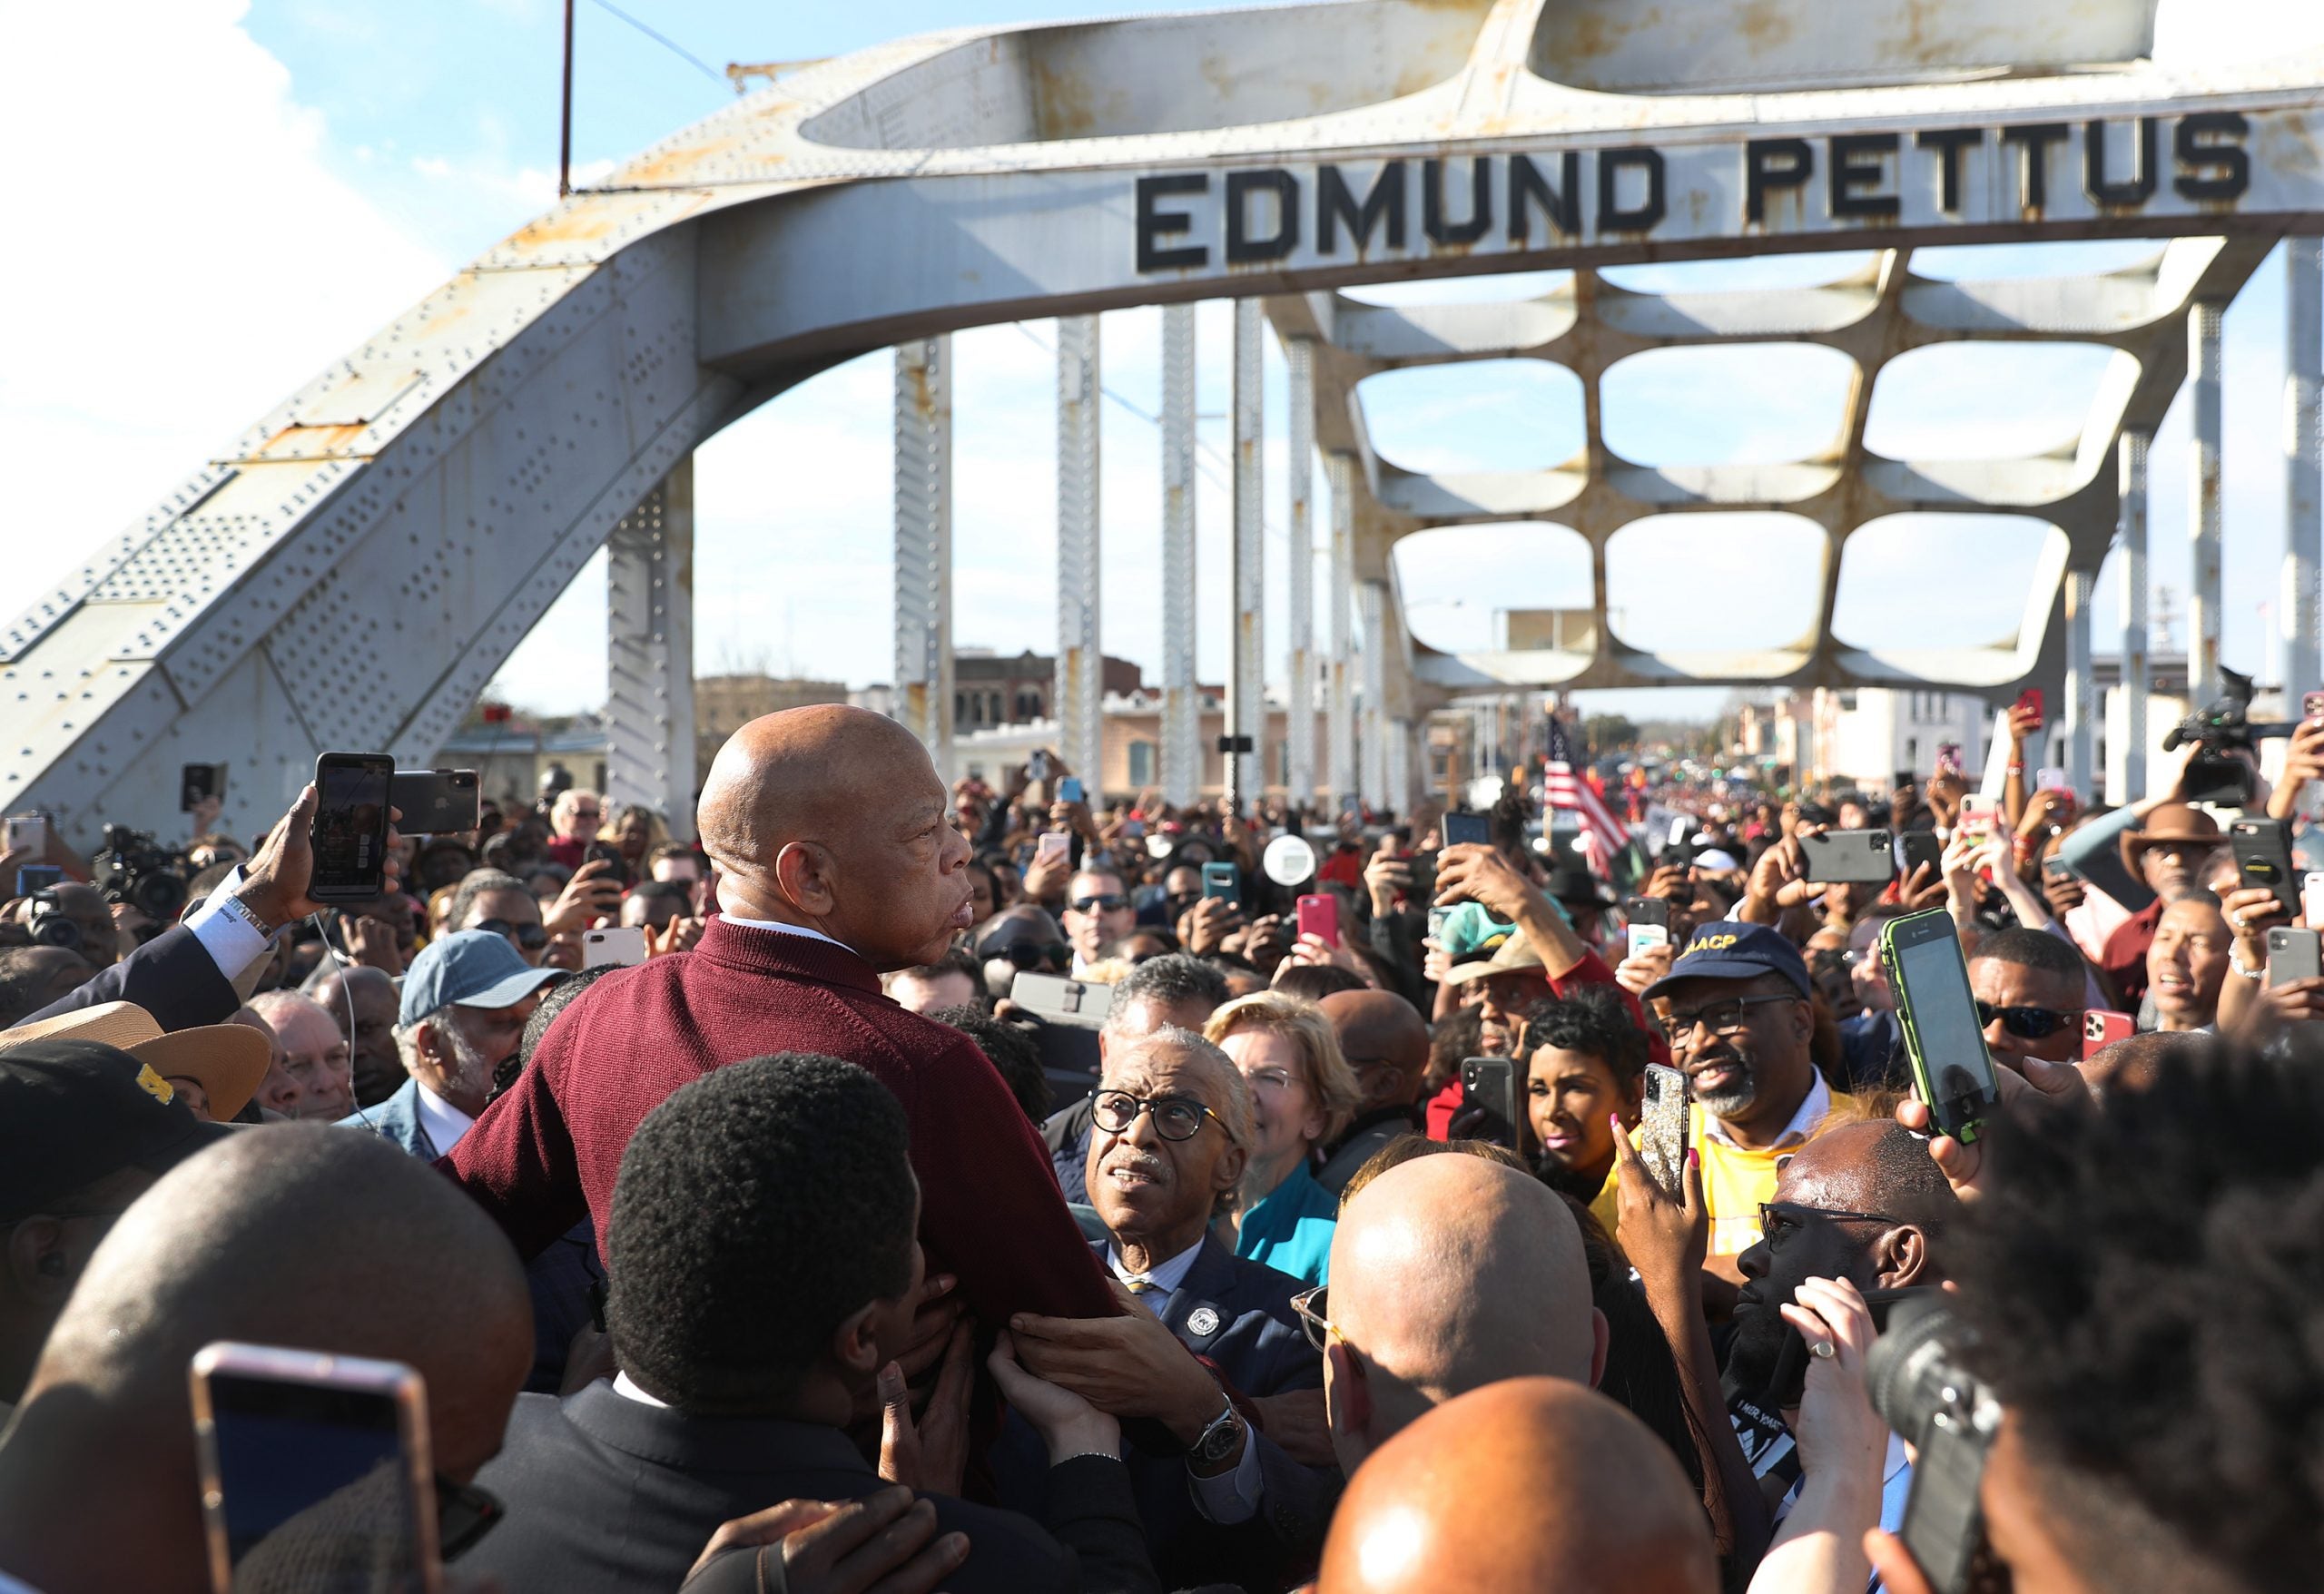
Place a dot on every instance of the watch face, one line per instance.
(1217, 1443)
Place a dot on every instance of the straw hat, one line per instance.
(227, 1060)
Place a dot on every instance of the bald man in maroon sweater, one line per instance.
(837, 860)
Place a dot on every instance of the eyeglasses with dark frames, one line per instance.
(1722, 1018)
(1175, 1118)
(1779, 1220)
(531, 936)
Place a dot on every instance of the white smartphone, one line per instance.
(623, 946)
(26, 833)
(1647, 935)
(1050, 845)
(312, 1460)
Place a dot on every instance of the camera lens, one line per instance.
(1909, 1368)
(54, 930)
(158, 895)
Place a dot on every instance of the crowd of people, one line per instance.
(978, 1188)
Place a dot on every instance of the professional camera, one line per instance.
(135, 869)
(50, 926)
(2221, 729)
(1951, 1420)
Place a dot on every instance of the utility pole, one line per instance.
(565, 116)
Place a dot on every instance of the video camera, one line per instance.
(135, 869)
(2221, 729)
(1951, 1419)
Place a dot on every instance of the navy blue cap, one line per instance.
(468, 969)
(1728, 949)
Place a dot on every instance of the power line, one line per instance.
(713, 73)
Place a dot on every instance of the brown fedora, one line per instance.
(2173, 821)
(227, 1060)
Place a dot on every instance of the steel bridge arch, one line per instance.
(351, 569)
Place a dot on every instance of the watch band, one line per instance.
(1218, 1437)
(243, 911)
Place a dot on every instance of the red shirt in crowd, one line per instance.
(547, 1152)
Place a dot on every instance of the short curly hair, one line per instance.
(2145, 1283)
(1594, 1021)
(756, 1209)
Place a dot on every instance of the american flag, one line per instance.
(1601, 836)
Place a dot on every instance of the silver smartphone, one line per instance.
(1848, 858)
(2294, 953)
(621, 945)
(1663, 1127)
(315, 1471)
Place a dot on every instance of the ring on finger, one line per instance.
(1824, 1349)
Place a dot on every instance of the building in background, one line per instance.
(989, 689)
(724, 705)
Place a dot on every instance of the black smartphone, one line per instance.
(198, 782)
(1647, 911)
(2262, 849)
(1915, 848)
(1952, 1071)
(350, 828)
(1460, 830)
(1221, 880)
(1848, 858)
(1490, 1083)
(436, 802)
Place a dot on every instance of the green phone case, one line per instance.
(1966, 1133)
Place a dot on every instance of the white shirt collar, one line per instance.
(1166, 1279)
(630, 1391)
(444, 1123)
(1813, 1108)
(812, 935)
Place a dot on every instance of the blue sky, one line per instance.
(270, 179)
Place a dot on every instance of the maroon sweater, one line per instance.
(545, 1154)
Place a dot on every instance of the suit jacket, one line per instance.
(1235, 1315)
(563, 1279)
(171, 977)
(545, 1153)
(608, 1495)
(1363, 1140)
(1091, 1512)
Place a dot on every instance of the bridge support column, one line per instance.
(1299, 699)
(1080, 689)
(2131, 534)
(923, 700)
(1372, 609)
(1339, 470)
(1182, 752)
(649, 615)
(2203, 501)
(1246, 707)
(2304, 444)
(2082, 679)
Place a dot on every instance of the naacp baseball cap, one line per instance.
(1728, 949)
(73, 1111)
(468, 969)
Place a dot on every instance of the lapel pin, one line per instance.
(1202, 1322)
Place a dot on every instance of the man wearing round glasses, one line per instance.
(1736, 1007)
(1171, 1132)
(1097, 911)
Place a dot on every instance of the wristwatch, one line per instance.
(1216, 1443)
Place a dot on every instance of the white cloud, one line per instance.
(189, 262)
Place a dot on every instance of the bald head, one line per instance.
(1385, 1042)
(1580, 1496)
(292, 1235)
(1449, 1272)
(834, 818)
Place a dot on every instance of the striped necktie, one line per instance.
(1140, 1286)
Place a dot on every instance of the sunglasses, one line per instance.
(531, 936)
(2027, 1023)
(1112, 902)
(1779, 1220)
